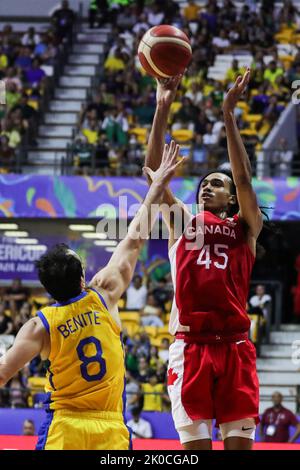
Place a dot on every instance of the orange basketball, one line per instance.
(164, 51)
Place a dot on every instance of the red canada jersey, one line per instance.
(211, 278)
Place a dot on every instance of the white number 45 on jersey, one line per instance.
(204, 256)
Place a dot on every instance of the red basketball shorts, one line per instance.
(213, 381)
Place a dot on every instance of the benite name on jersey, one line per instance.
(80, 321)
(191, 232)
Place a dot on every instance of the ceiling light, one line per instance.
(105, 243)
(82, 228)
(26, 241)
(36, 247)
(110, 249)
(9, 226)
(95, 236)
(15, 234)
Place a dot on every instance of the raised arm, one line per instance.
(114, 279)
(165, 95)
(239, 161)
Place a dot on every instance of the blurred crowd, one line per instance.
(114, 125)
(26, 63)
(144, 311)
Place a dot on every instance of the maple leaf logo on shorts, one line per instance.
(172, 377)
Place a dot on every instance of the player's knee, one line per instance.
(198, 430)
(241, 428)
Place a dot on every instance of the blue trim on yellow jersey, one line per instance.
(100, 297)
(124, 402)
(71, 301)
(51, 375)
(44, 430)
(44, 320)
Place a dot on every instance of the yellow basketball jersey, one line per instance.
(86, 369)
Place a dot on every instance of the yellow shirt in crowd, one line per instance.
(153, 397)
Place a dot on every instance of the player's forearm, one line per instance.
(157, 137)
(127, 252)
(238, 157)
(144, 220)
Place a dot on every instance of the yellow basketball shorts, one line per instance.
(83, 430)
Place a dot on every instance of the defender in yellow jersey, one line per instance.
(89, 374)
(80, 336)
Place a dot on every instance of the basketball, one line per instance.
(164, 51)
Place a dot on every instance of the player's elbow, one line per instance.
(125, 270)
(3, 380)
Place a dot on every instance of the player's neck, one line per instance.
(221, 213)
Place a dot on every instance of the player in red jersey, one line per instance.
(212, 366)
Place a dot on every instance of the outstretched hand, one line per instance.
(168, 166)
(166, 90)
(235, 93)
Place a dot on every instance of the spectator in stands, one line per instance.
(272, 72)
(115, 62)
(136, 294)
(31, 38)
(18, 395)
(195, 94)
(162, 293)
(24, 59)
(233, 72)
(6, 323)
(154, 360)
(272, 111)
(261, 299)
(115, 126)
(142, 25)
(28, 428)
(154, 394)
(186, 115)
(151, 313)
(63, 19)
(3, 61)
(7, 154)
(141, 428)
(143, 373)
(132, 392)
(191, 11)
(210, 138)
(35, 74)
(16, 295)
(131, 359)
(281, 159)
(221, 42)
(91, 131)
(276, 421)
(143, 345)
(164, 350)
(46, 50)
(12, 95)
(22, 316)
(143, 110)
(126, 18)
(155, 14)
(13, 75)
(28, 112)
(161, 374)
